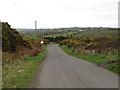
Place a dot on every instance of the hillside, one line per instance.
(19, 54)
(11, 38)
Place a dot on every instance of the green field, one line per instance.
(67, 34)
(97, 33)
(75, 33)
(19, 74)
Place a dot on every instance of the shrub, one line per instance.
(11, 38)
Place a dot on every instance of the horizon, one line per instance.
(66, 27)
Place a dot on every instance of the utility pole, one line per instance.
(119, 14)
(35, 24)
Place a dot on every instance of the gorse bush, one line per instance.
(10, 38)
(77, 42)
(99, 44)
(35, 40)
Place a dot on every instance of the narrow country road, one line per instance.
(60, 70)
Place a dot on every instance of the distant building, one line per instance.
(80, 30)
(60, 30)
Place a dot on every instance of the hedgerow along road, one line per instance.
(59, 70)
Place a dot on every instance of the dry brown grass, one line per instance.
(21, 50)
(18, 55)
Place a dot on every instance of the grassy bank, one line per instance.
(97, 58)
(19, 74)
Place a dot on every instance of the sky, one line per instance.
(59, 13)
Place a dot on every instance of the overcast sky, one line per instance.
(59, 13)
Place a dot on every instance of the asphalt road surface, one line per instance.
(59, 70)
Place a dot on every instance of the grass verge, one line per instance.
(19, 74)
(97, 58)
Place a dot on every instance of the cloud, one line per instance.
(59, 13)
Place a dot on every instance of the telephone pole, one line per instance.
(35, 24)
(119, 14)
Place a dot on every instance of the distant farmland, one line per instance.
(74, 32)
